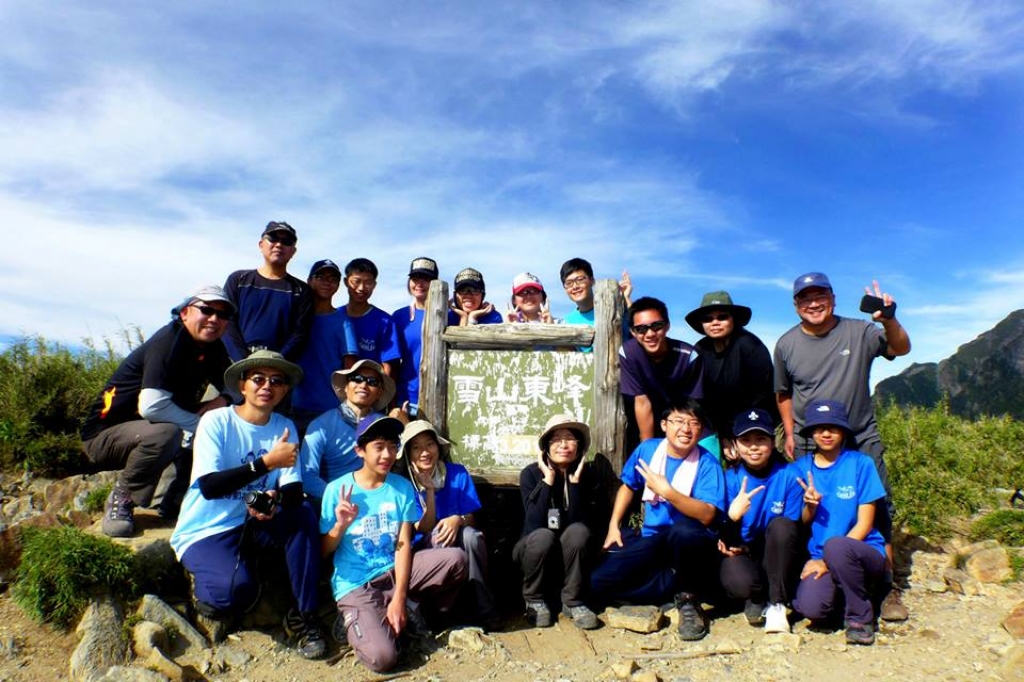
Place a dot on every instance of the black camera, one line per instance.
(555, 519)
(260, 501)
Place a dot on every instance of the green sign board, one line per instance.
(499, 401)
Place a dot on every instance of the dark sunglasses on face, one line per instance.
(641, 329)
(210, 311)
(716, 317)
(372, 382)
(275, 381)
(280, 238)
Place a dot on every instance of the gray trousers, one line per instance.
(471, 541)
(141, 450)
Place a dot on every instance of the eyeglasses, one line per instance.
(372, 382)
(569, 440)
(469, 291)
(275, 381)
(282, 238)
(813, 299)
(716, 317)
(642, 329)
(210, 311)
(575, 282)
(679, 422)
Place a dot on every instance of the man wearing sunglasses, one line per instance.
(654, 370)
(275, 309)
(144, 417)
(328, 450)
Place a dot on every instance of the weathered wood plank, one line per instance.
(609, 428)
(434, 359)
(518, 336)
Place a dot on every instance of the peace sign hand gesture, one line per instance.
(811, 495)
(741, 504)
(346, 511)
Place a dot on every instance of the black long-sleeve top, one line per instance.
(588, 501)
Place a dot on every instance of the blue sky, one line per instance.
(703, 146)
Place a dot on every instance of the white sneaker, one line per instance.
(775, 619)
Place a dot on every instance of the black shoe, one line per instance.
(859, 633)
(754, 611)
(538, 613)
(304, 628)
(693, 622)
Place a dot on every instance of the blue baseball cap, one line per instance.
(753, 420)
(327, 264)
(824, 413)
(811, 279)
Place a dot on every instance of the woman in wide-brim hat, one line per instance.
(567, 505)
(447, 501)
(738, 372)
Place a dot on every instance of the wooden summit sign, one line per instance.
(491, 388)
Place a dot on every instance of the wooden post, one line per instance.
(434, 359)
(609, 428)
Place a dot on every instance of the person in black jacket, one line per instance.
(567, 506)
(738, 374)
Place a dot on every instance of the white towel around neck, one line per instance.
(684, 477)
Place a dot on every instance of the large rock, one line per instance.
(154, 609)
(961, 583)
(467, 639)
(642, 619)
(122, 673)
(102, 645)
(989, 565)
(10, 542)
(1014, 623)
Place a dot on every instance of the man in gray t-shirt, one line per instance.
(827, 357)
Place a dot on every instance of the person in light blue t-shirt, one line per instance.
(848, 569)
(366, 522)
(245, 501)
(577, 277)
(683, 492)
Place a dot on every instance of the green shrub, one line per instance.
(46, 390)
(943, 467)
(1004, 525)
(96, 498)
(61, 568)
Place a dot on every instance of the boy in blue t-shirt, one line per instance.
(367, 521)
(374, 329)
(675, 553)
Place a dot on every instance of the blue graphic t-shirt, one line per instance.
(367, 549)
(782, 496)
(708, 486)
(375, 335)
(851, 481)
(225, 441)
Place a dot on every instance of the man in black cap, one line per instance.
(275, 309)
(152, 404)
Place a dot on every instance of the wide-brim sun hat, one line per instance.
(824, 413)
(418, 426)
(339, 380)
(565, 421)
(717, 300)
(263, 358)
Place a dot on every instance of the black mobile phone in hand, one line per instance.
(872, 304)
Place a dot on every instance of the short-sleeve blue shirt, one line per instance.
(782, 496)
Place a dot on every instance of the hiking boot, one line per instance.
(754, 611)
(775, 618)
(693, 622)
(304, 628)
(893, 608)
(118, 518)
(581, 616)
(211, 622)
(538, 613)
(859, 633)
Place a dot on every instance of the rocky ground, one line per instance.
(960, 629)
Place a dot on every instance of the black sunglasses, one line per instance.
(641, 329)
(280, 238)
(373, 382)
(275, 381)
(210, 311)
